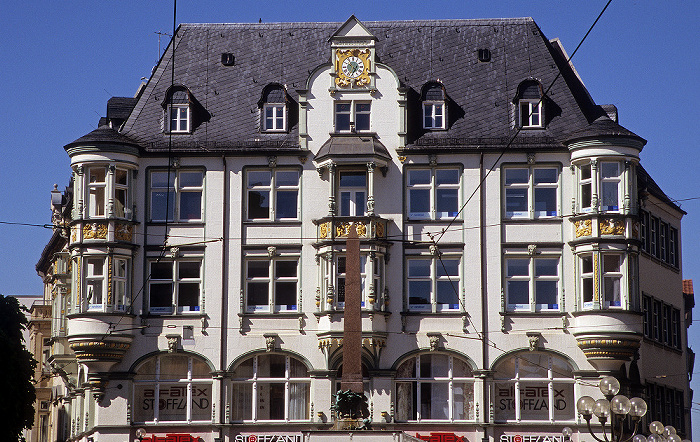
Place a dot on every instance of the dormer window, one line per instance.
(434, 108)
(178, 111)
(274, 109)
(530, 102)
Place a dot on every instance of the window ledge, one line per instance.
(445, 313)
(292, 222)
(549, 219)
(606, 311)
(550, 313)
(434, 221)
(271, 315)
(177, 223)
(663, 346)
(363, 312)
(198, 315)
(98, 313)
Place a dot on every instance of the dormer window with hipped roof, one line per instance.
(434, 106)
(530, 101)
(273, 105)
(178, 110)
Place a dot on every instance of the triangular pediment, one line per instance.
(352, 28)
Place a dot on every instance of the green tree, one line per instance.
(16, 371)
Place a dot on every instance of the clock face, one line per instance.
(353, 67)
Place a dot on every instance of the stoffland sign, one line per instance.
(268, 438)
(531, 438)
(171, 438)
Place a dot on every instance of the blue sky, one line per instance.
(61, 61)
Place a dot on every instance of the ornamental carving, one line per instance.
(123, 232)
(583, 228)
(324, 230)
(612, 227)
(635, 230)
(352, 67)
(95, 231)
(343, 229)
(380, 230)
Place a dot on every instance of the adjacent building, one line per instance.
(513, 248)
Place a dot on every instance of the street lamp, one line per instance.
(141, 433)
(659, 433)
(615, 407)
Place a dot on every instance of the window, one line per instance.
(433, 283)
(610, 186)
(610, 274)
(173, 388)
(585, 182)
(433, 193)
(532, 283)
(97, 183)
(178, 111)
(352, 116)
(272, 284)
(272, 194)
(352, 190)
(666, 404)
(531, 114)
(434, 106)
(659, 239)
(274, 109)
(371, 287)
(175, 285)
(534, 386)
(662, 322)
(99, 193)
(176, 195)
(271, 387)
(434, 386)
(96, 295)
(531, 192)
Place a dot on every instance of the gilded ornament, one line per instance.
(123, 232)
(352, 67)
(95, 231)
(361, 229)
(380, 230)
(583, 228)
(324, 230)
(612, 227)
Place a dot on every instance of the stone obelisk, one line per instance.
(352, 317)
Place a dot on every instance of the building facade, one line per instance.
(513, 249)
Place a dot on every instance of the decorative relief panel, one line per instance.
(583, 228)
(95, 231)
(124, 232)
(610, 226)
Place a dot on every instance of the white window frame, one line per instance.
(275, 190)
(119, 291)
(615, 180)
(354, 193)
(258, 382)
(94, 188)
(189, 384)
(177, 190)
(434, 188)
(271, 279)
(599, 277)
(450, 380)
(583, 184)
(435, 279)
(519, 382)
(353, 114)
(531, 113)
(183, 120)
(277, 121)
(532, 278)
(175, 281)
(531, 187)
(431, 114)
(333, 276)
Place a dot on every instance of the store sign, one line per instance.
(172, 402)
(443, 437)
(171, 438)
(531, 438)
(534, 402)
(268, 438)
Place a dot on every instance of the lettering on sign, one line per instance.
(533, 398)
(172, 438)
(442, 437)
(268, 438)
(531, 438)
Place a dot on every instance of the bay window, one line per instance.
(434, 386)
(107, 192)
(272, 194)
(601, 279)
(371, 279)
(433, 193)
(102, 291)
(352, 191)
(271, 387)
(603, 180)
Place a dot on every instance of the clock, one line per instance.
(353, 67)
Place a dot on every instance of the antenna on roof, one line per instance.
(160, 34)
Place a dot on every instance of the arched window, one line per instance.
(534, 386)
(172, 387)
(530, 102)
(271, 387)
(434, 106)
(274, 109)
(178, 112)
(434, 386)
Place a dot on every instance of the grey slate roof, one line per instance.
(480, 93)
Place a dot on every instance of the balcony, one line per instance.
(337, 228)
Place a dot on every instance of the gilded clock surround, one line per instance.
(363, 79)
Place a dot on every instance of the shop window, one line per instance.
(433, 193)
(534, 386)
(434, 387)
(173, 388)
(272, 194)
(176, 195)
(271, 387)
